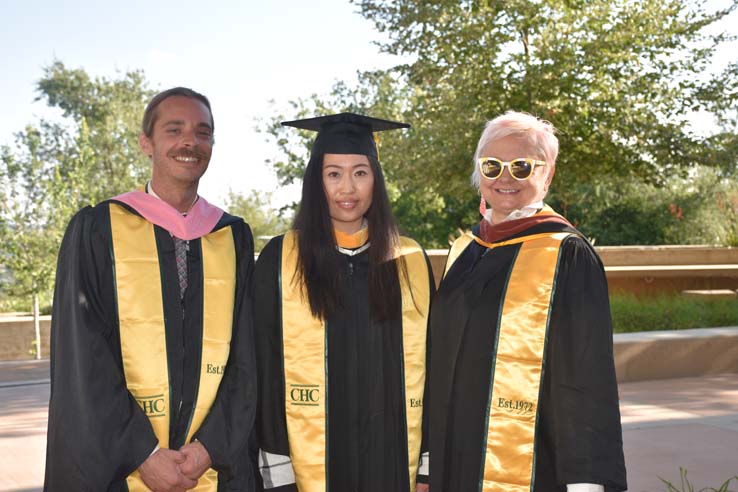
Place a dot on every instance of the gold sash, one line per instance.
(305, 353)
(512, 407)
(456, 249)
(142, 325)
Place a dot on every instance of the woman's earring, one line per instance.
(483, 207)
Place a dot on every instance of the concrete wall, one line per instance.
(653, 270)
(666, 255)
(675, 354)
(17, 337)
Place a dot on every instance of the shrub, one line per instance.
(699, 208)
(631, 313)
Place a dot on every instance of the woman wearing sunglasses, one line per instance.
(341, 309)
(523, 395)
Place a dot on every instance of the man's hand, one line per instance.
(422, 487)
(197, 460)
(161, 472)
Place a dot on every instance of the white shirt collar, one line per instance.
(521, 213)
(151, 192)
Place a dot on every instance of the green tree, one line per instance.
(256, 209)
(699, 208)
(618, 78)
(56, 167)
(36, 201)
(112, 110)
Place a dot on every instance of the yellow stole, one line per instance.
(305, 353)
(512, 408)
(143, 331)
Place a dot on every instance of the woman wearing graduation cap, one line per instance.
(341, 305)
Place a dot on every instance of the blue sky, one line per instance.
(241, 54)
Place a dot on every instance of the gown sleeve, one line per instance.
(274, 452)
(97, 433)
(226, 429)
(580, 389)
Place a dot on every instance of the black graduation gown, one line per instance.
(578, 438)
(367, 439)
(97, 432)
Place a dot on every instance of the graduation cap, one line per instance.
(345, 133)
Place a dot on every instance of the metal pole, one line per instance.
(37, 325)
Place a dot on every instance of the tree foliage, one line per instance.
(37, 200)
(112, 110)
(256, 208)
(620, 79)
(57, 166)
(699, 208)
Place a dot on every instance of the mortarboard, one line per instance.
(345, 133)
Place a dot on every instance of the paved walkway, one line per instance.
(691, 422)
(24, 393)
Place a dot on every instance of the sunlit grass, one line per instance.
(631, 314)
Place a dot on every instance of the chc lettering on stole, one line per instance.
(305, 394)
(153, 406)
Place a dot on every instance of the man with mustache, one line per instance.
(152, 363)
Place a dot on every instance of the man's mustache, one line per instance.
(190, 152)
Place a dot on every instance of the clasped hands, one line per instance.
(168, 470)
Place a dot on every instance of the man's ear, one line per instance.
(145, 144)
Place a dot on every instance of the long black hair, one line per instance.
(319, 262)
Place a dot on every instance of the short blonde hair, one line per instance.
(538, 133)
